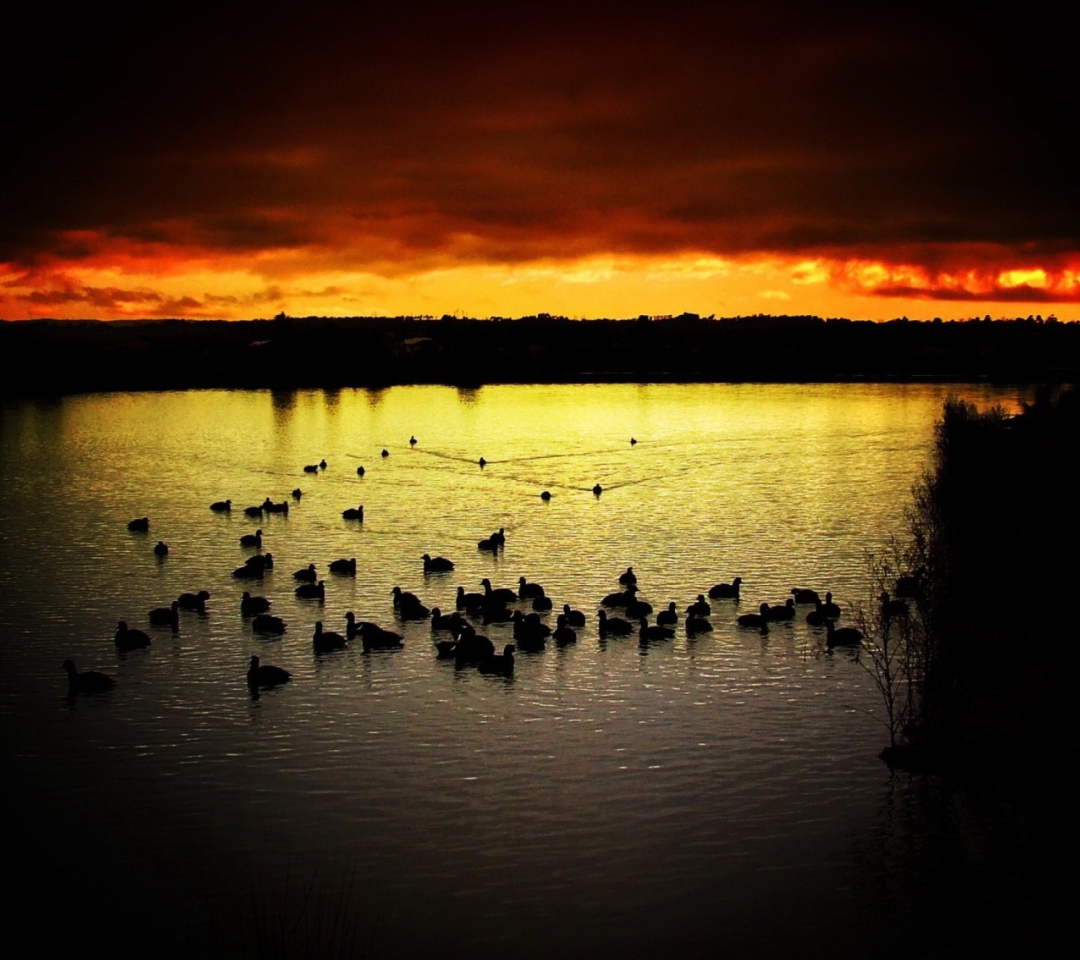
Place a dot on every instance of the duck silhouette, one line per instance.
(250, 605)
(266, 675)
(128, 638)
(221, 506)
(89, 681)
(437, 564)
(265, 623)
(311, 591)
(326, 640)
(726, 591)
(574, 618)
(613, 626)
(162, 549)
(141, 525)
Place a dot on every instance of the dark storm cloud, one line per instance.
(487, 132)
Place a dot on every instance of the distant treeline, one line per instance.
(63, 356)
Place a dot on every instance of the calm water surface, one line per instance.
(685, 799)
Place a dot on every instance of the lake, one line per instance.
(685, 798)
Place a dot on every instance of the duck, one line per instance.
(804, 595)
(528, 591)
(496, 613)
(726, 591)
(488, 545)
(615, 626)
(352, 626)
(322, 464)
(250, 605)
(695, 625)
(162, 549)
(308, 574)
(499, 594)
(408, 606)
(597, 490)
(297, 493)
(620, 598)
(374, 637)
(271, 507)
(893, 606)
(311, 591)
(221, 506)
(404, 598)
(360, 471)
(470, 602)
(482, 462)
(252, 539)
(128, 638)
(817, 617)
(499, 537)
(194, 601)
(247, 572)
(326, 640)
(354, 513)
(443, 621)
(653, 631)
(385, 453)
(563, 633)
(628, 578)
(832, 610)
(311, 468)
(669, 616)
(910, 584)
(841, 636)
(141, 525)
(472, 647)
(261, 561)
(498, 663)
(528, 630)
(166, 616)
(412, 441)
(542, 604)
(700, 607)
(545, 495)
(782, 611)
(89, 681)
(633, 442)
(636, 609)
(253, 511)
(574, 618)
(437, 564)
(344, 566)
(265, 623)
(266, 675)
(759, 620)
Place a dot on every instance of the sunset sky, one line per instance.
(505, 159)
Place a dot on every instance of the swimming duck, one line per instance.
(141, 525)
(832, 610)
(615, 626)
(412, 441)
(311, 591)
(360, 471)
(166, 616)
(194, 601)
(804, 595)
(128, 638)
(344, 566)
(250, 605)
(162, 549)
(542, 604)
(597, 490)
(759, 620)
(89, 681)
(265, 623)
(545, 495)
(353, 513)
(308, 574)
(628, 578)
(817, 617)
(636, 609)
(374, 637)
(499, 537)
(322, 464)
(443, 621)
(669, 616)
(297, 493)
(528, 591)
(653, 631)
(311, 468)
(893, 607)
(841, 636)
(437, 564)
(699, 608)
(221, 506)
(386, 453)
(261, 561)
(471, 602)
(271, 507)
(266, 675)
(482, 462)
(499, 594)
(574, 618)
(695, 625)
(251, 539)
(782, 611)
(488, 545)
(498, 663)
(726, 591)
(326, 640)
(563, 634)
(253, 511)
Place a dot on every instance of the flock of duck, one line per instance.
(455, 633)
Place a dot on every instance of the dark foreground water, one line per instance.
(708, 797)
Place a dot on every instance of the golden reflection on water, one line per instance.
(746, 756)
